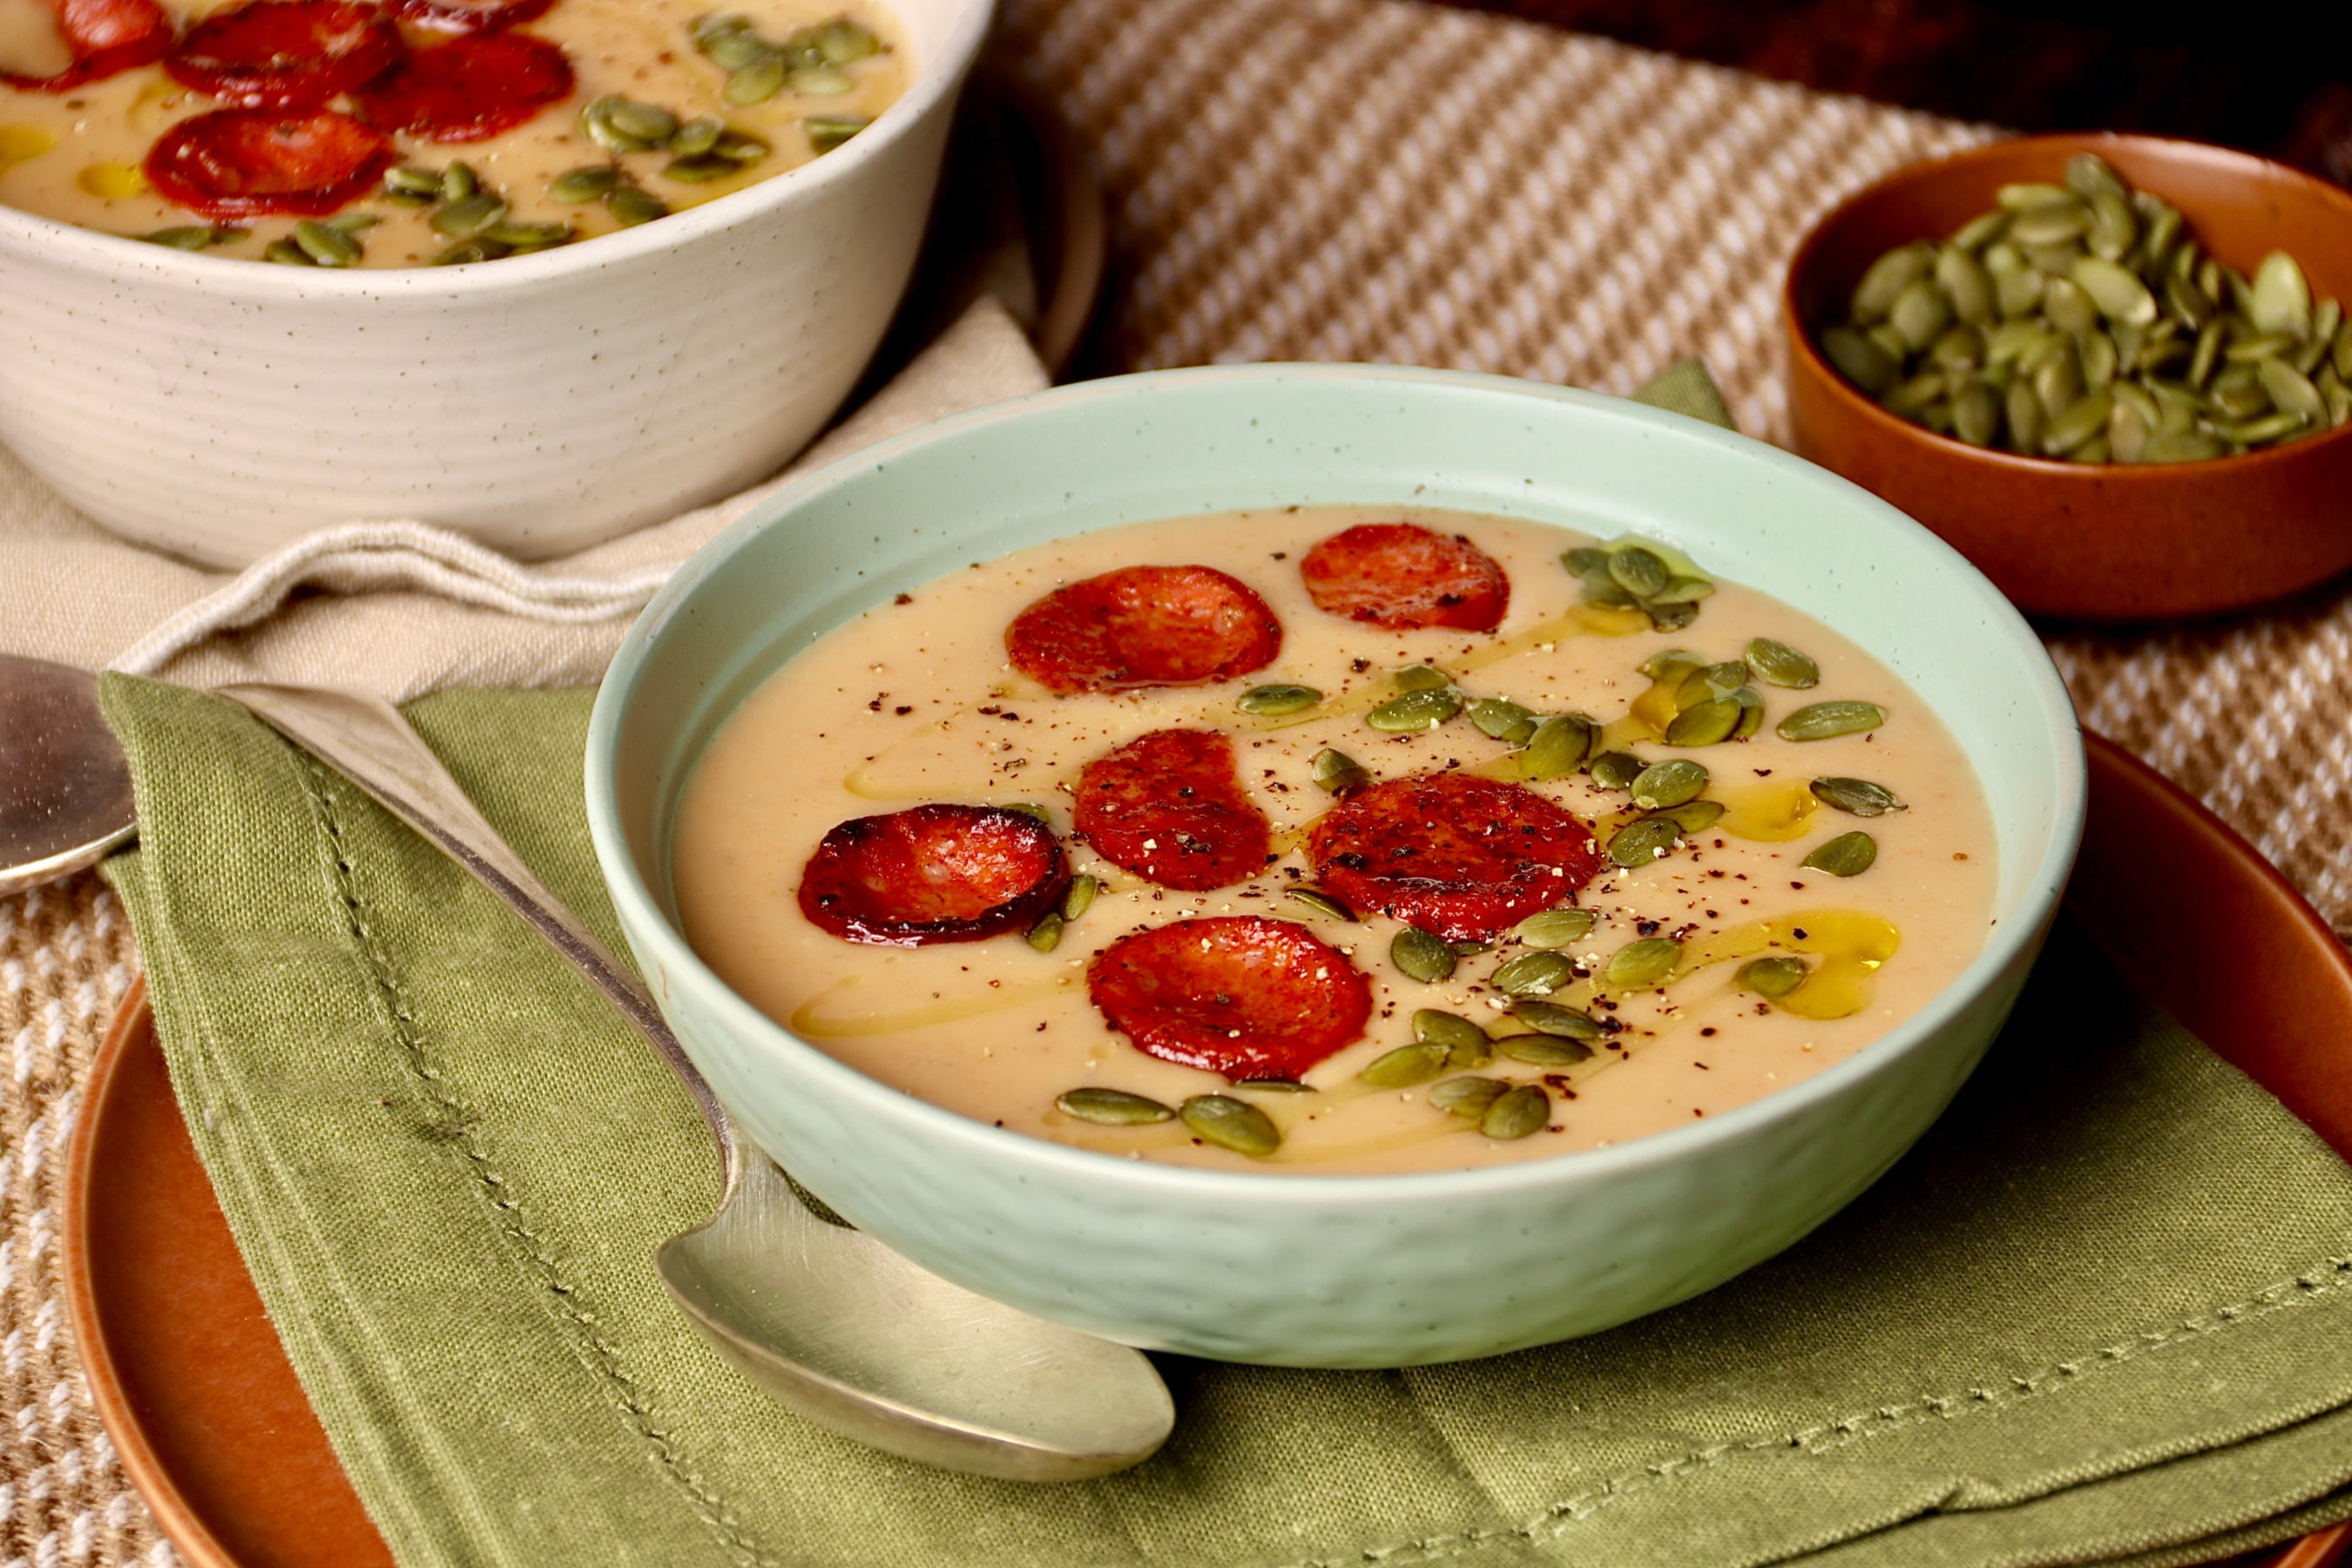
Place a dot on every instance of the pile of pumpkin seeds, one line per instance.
(701, 150)
(477, 218)
(809, 64)
(1629, 574)
(2084, 322)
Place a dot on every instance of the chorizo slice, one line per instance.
(1169, 807)
(1462, 857)
(244, 163)
(286, 54)
(469, 89)
(1144, 625)
(1238, 994)
(1401, 576)
(102, 37)
(933, 873)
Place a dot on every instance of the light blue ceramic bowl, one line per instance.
(1307, 1270)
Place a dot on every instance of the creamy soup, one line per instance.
(1735, 922)
(588, 116)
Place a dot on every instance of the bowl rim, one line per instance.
(116, 254)
(2040, 885)
(1806, 356)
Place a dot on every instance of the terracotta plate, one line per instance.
(216, 1434)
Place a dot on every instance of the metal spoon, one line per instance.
(65, 790)
(828, 1320)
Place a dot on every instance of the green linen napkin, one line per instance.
(2103, 1311)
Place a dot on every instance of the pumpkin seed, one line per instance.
(2281, 299)
(1855, 798)
(407, 180)
(1824, 720)
(1421, 678)
(2186, 447)
(1464, 1043)
(1558, 747)
(1422, 956)
(2113, 228)
(2052, 222)
(1638, 571)
(528, 236)
(2077, 426)
(819, 81)
(1544, 1050)
(2026, 419)
(597, 124)
(1616, 770)
(1772, 977)
(1874, 296)
(699, 171)
(1415, 710)
(1859, 359)
(1517, 1113)
(470, 216)
(2031, 195)
(697, 136)
(1405, 1065)
(1336, 773)
(756, 81)
(1847, 855)
(738, 50)
(578, 187)
(466, 252)
(1468, 1098)
(1777, 664)
(1111, 1107)
(1976, 413)
(184, 237)
(1704, 724)
(1693, 816)
(1980, 232)
(1537, 973)
(1551, 1018)
(1968, 285)
(1231, 1123)
(841, 40)
(827, 132)
(1273, 1086)
(458, 181)
(1274, 702)
(1502, 721)
(1555, 927)
(2252, 350)
(1584, 560)
(1672, 664)
(2289, 391)
(1921, 313)
(2116, 289)
(1318, 903)
(1680, 591)
(286, 253)
(1643, 840)
(1642, 964)
(2270, 428)
(1669, 782)
(633, 206)
(1081, 896)
(1046, 934)
(1710, 683)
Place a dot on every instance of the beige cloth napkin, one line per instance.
(403, 608)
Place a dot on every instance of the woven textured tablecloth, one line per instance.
(1335, 179)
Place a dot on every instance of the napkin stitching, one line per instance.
(2332, 1275)
(459, 1122)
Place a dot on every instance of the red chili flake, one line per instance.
(1401, 576)
(1144, 625)
(1461, 857)
(471, 88)
(104, 37)
(933, 873)
(244, 163)
(286, 54)
(1237, 994)
(468, 16)
(1169, 807)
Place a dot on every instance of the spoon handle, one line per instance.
(367, 740)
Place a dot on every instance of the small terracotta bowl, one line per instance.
(2104, 542)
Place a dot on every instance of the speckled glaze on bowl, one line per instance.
(1326, 1270)
(2100, 540)
(218, 408)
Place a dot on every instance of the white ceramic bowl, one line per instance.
(1329, 1270)
(219, 409)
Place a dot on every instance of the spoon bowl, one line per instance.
(65, 789)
